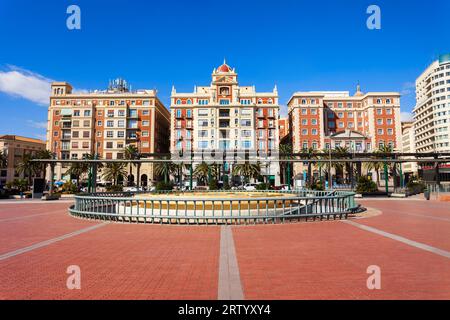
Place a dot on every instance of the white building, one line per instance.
(432, 110)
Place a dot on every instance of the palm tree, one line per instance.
(43, 155)
(248, 170)
(27, 167)
(341, 153)
(165, 169)
(78, 169)
(131, 153)
(310, 154)
(113, 171)
(3, 159)
(202, 171)
(285, 153)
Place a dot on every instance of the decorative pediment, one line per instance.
(348, 134)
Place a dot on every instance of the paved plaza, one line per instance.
(409, 240)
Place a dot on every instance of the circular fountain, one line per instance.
(214, 207)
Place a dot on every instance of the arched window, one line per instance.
(270, 101)
(178, 101)
(260, 101)
(189, 101)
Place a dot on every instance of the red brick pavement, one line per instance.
(15, 234)
(329, 261)
(427, 222)
(120, 262)
(293, 261)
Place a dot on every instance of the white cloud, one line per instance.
(406, 116)
(408, 88)
(37, 124)
(25, 84)
(283, 111)
(41, 136)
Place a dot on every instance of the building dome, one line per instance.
(224, 68)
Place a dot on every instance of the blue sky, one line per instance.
(297, 45)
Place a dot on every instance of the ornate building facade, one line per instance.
(363, 122)
(226, 119)
(105, 123)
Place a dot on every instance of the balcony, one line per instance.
(224, 113)
(224, 123)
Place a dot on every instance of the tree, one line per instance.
(204, 171)
(27, 167)
(78, 169)
(248, 170)
(310, 154)
(285, 153)
(341, 153)
(113, 170)
(3, 159)
(42, 155)
(165, 169)
(131, 153)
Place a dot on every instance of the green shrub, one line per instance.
(163, 186)
(261, 186)
(213, 184)
(117, 188)
(365, 184)
(318, 186)
(226, 185)
(415, 186)
(69, 187)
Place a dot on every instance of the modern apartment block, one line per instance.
(15, 147)
(432, 110)
(225, 117)
(362, 122)
(104, 122)
(408, 146)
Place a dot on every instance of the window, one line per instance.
(380, 131)
(86, 123)
(86, 145)
(76, 113)
(389, 121)
(145, 123)
(379, 111)
(75, 123)
(304, 132)
(86, 134)
(304, 111)
(189, 113)
(121, 113)
(121, 123)
(203, 133)
(224, 102)
(75, 145)
(75, 134)
(87, 113)
(202, 112)
(390, 132)
(145, 112)
(110, 123)
(304, 122)
(314, 122)
(99, 123)
(314, 132)
(350, 125)
(178, 101)
(120, 134)
(178, 113)
(331, 124)
(202, 123)
(145, 133)
(109, 145)
(203, 144)
(340, 124)
(379, 121)
(389, 111)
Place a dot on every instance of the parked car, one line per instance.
(133, 189)
(250, 186)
